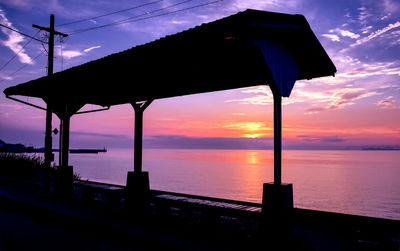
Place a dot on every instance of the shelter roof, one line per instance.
(215, 56)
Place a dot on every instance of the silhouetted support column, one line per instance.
(277, 197)
(137, 183)
(64, 176)
(48, 144)
(48, 150)
(64, 149)
(277, 139)
(138, 144)
(60, 142)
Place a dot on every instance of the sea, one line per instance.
(352, 182)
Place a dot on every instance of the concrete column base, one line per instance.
(277, 215)
(137, 190)
(277, 198)
(63, 185)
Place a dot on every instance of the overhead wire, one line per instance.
(25, 65)
(172, 12)
(108, 14)
(62, 40)
(12, 58)
(26, 35)
(137, 18)
(123, 21)
(16, 54)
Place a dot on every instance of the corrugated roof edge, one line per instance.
(243, 15)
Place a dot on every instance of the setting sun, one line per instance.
(253, 136)
(250, 129)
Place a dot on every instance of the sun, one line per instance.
(250, 129)
(253, 135)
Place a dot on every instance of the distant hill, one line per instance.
(381, 148)
(18, 148)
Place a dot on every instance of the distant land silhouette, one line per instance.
(381, 148)
(5, 147)
(20, 148)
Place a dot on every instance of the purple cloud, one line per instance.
(328, 139)
(179, 141)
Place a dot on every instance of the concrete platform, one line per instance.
(33, 220)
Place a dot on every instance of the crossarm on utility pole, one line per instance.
(49, 30)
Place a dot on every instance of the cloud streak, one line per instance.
(332, 37)
(91, 48)
(13, 40)
(255, 100)
(387, 103)
(376, 34)
(341, 32)
(346, 33)
(184, 142)
(341, 98)
(330, 97)
(327, 139)
(364, 15)
(68, 54)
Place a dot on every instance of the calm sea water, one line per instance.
(354, 182)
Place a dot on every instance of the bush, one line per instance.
(21, 166)
(29, 167)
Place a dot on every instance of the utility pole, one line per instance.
(48, 144)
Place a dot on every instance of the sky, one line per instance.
(359, 107)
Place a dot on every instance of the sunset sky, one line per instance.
(358, 107)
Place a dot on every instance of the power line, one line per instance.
(171, 12)
(153, 11)
(111, 13)
(25, 65)
(5, 26)
(132, 19)
(124, 20)
(16, 54)
(61, 40)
